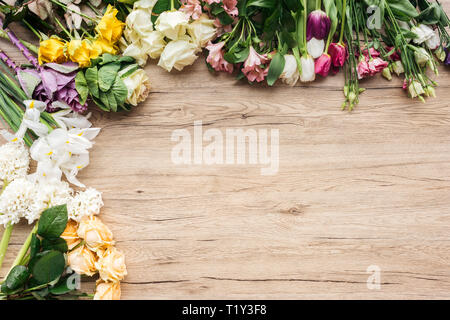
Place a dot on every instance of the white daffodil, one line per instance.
(32, 119)
(47, 171)
(67, 118)
(308, 72)
(315, 47)
(73, 166)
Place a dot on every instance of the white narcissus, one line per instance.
(315, 47)
(290, 74)
(178, 54)
(308, 73)
(172, 24)
(31, 120)
(202, 31)
(138, 85)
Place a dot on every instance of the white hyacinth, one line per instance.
(20, 199)
(84, 203)
(14, 161)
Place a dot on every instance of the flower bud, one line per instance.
(387, 74)
(318, 25)
(397, 67)
(415, 89)
(422, 57)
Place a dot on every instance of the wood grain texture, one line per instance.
(356, 189)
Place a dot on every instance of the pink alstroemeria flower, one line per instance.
(363, 68)
(230, 7)
(376, 65)
(322, 65)
(253, 66)
(215, 57)
(192, 8)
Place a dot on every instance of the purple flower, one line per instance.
(318, 25)
(58, 84)
(447, 59)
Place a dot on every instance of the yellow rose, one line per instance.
(111, 265)
(81, 51)
(95, 233)
(52, 50)
(102, 46)
(107, 291)
(70, 234)
(110, 28)
(82, 261)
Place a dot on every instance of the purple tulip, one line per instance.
(318, 25)
(447, 59)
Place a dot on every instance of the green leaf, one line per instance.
(35, 246)
(16, 279)
(82, 87)
(120, 91)
(126, 59)
(237, 56)
(106, 75)
(91, 76)
(104, 99)
(330, 9)
(48, 267)
(58, 244)
(53, 221)
(159, 7)
(107, 58)
(225, 18)
(62, 286)
(276, 68)
(403, 9)
(269, 4)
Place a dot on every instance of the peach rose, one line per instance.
(70, 234)
(95, 233)
(107, 291)
(82, 261)
(111, 265)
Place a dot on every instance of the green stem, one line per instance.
(318, 4)
(6, 234)
(172, 5)
(26, 245)
(29, 46)
(344, 13)
(63, 28)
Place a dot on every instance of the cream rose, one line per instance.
(138, 86)
(107, 291)
(70, 234)
(111, 265)
(153, 44)
(178, 54)
(136, 51)
(202, 31)
(172, 24)
(138, 24)
(95, 233)
(82, 261)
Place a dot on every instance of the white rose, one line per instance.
(153, 44)
(315, 47)
(178, 54)
(202, 31)
(138, 25)
(308, 72)
(290, 73)
(136, 51)
(138, 85)
(172, 24)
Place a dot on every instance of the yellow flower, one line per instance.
(111, 265)
(52, 50)
(70, 234)
(102, 46)
(107, 291)
(96, 234)
(82, 261)
(81, 51)
(110, 28)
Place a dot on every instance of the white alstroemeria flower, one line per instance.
(308, 73)
(32, 119)
(423, 33)
(67, 118)
(202, 30)
(14, 161)
(178, 54)
(315, 47)
(434, 41)
(290, 74)
(172, 24)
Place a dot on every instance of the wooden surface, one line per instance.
(356, 189)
